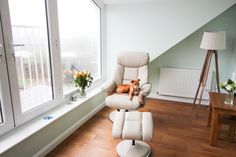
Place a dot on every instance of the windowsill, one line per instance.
(20, 133)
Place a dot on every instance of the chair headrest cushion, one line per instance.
(133, 59)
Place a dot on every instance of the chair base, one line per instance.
(126, 149)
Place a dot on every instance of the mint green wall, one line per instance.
(187, 53)
(34, 143)
(155, 26)
(234, 58)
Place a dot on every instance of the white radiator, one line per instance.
(181, 83)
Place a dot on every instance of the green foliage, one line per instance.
(229, 85)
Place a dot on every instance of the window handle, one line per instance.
(2, 58)
(18, 45)
(13, 54)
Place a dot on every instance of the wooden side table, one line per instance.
(217, 108)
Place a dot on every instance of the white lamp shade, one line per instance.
(213, 40)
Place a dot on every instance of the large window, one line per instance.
(30, 42)
(28, 55)
(80, 39)
(41, 43)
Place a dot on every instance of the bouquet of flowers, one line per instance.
(82, 79)
(229, 86)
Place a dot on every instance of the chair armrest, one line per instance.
(118, 124)
(109, 86)
(145, 89)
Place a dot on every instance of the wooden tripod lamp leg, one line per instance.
(204, 81)
(217, 71)
(202, 75)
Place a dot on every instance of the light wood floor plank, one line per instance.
(177, 133)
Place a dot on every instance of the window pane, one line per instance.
(79, 28)
(30, 36)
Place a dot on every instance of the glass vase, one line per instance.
(82, 93)
(229, 100)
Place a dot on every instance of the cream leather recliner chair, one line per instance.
(130, 66)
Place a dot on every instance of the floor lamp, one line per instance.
(212, 42)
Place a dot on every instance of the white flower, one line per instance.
(228, 88)
(225, 83)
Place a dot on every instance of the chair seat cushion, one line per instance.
(133, 126)
(122, 101)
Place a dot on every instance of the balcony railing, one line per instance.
(33, 65)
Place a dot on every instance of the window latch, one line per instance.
(18, 45)
(13, 56)
(2, 58)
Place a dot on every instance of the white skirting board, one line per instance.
(178, 99)
(67, 132)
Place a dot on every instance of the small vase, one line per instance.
(82, 93)
(229, 100)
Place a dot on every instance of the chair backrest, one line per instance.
(130, 66)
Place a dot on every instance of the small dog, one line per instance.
(132, 89)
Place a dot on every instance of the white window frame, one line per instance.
(20, 117)
(101, 5)
(5, 99)
(100, 80)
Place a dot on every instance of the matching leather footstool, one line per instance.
(134, 127)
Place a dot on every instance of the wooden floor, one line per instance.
(177, 133)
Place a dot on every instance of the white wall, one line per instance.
(155, 27)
